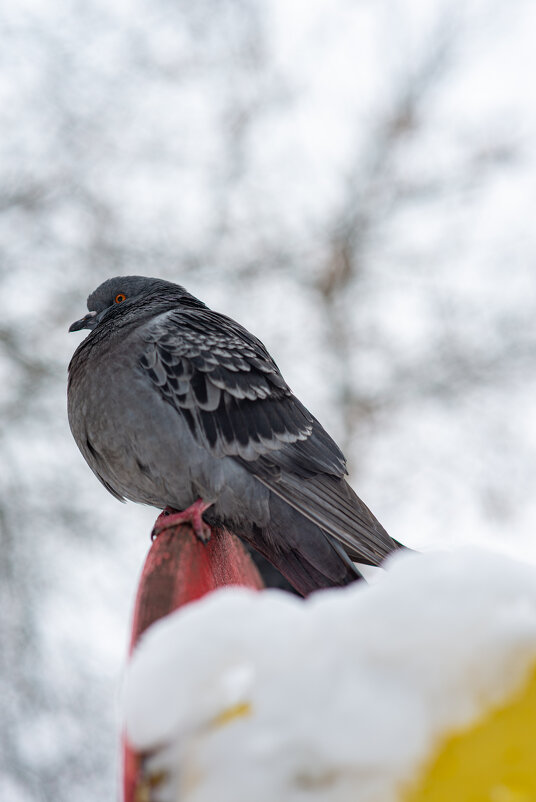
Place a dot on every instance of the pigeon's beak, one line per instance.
(87, 322)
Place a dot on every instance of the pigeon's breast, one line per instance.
(140, 446)
(136, 444)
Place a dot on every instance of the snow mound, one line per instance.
(260, 696)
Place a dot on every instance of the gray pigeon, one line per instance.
(174, 405)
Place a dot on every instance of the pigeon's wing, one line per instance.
(327, 501)
(224, 383)
(229, 390)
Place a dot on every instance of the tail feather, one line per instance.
(306, 578)
(306, 555)
(331, 504)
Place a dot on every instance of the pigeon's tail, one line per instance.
(271, 576)
(306, 556)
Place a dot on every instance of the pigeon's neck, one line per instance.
(123, 319)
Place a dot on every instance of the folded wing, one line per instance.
(226, 386)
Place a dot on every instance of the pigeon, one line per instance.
(177, 406)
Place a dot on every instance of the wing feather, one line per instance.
(239, 403)
(224, 383)
(332, 505)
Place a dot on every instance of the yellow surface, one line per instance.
(239, 710)
(145, 787)
(493, 761)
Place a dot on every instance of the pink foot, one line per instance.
(192, 515)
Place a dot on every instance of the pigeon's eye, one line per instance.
(119, 298)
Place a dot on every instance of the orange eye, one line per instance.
(120, 298)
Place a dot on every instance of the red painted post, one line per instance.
(179, 569)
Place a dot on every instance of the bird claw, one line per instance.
(193, 515)
(203, 532)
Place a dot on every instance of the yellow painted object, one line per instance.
(239, 710)
(150, 781)
(493, 761)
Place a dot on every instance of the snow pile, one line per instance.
(260, 696)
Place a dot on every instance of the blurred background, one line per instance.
(355, 181)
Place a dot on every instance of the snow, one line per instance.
(261, 696)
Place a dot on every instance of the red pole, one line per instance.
(179, 569)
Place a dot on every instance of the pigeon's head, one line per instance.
(128, 292)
